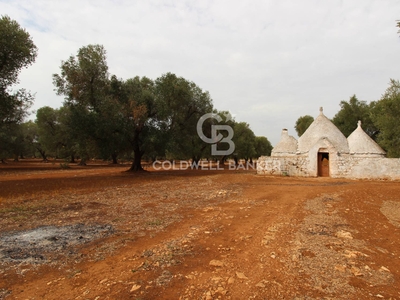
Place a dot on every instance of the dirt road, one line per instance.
(102, 233)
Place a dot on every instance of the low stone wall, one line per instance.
(283, 165)
(341, 166)
(370, 168)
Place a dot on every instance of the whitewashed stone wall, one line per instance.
(281, 165)
(370, 167)
(341, 166)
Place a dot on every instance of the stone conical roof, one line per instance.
(286, 146)
(361, 143)
(322, 128)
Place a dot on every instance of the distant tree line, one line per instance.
(107, 117)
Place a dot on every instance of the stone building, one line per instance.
(324, 151)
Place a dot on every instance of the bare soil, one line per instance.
(99, 232)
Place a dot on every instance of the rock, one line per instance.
(209, 295)
(135, 287)
(217, 279)
(221, 291)
(382, 250)
(356, 271)
(383, 269)
(216, 263)
(260, 285)
(241, 275)
(344, 234)
(231, 280)
(350, 254)
(340, 268)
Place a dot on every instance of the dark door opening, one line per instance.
(323, 164)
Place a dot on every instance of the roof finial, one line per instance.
(359, 123)
(321, 109)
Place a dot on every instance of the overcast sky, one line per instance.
(267, 62)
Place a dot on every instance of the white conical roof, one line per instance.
(286, 146)
(321, 128)
(361, 143)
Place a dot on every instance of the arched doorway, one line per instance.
(323, 164)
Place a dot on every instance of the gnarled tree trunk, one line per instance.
(42, 154)
(137, 159)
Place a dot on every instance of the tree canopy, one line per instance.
(84, 83)
(17, 51)
(138, 116)
(245, 141)
(351, 112)
(302, 124)
(263, 146)
(385, 114)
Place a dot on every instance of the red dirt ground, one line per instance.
(202, 234)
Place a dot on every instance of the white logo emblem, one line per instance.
(214, 139)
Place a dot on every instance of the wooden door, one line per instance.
(323, 164)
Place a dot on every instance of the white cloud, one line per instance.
(268, 61)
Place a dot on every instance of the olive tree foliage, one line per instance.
(244, 139)
(84, 83)
(47, 130)
(84, 78)
(350, 113)
(226, 119)
(108, 116)
(31, 138)
(133, 115)
(136, 116)
(385, 114)
(11, 142)
(179, 106)
(263, 146)
(17, 51)
(157, 118)
(54, 135)
(302, 124)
